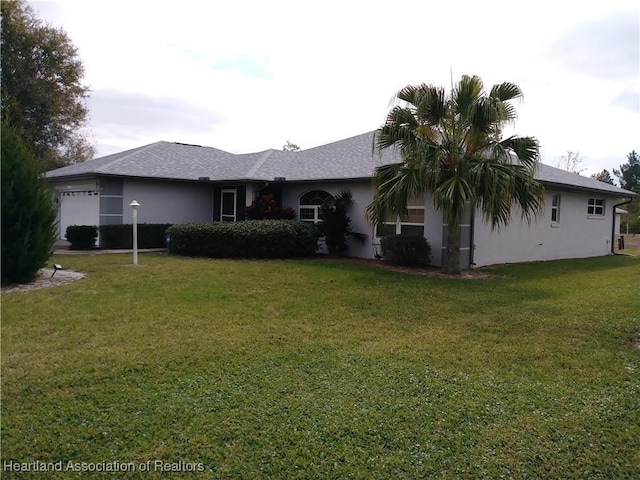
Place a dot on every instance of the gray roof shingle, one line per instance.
(351, 158)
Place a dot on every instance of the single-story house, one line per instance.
(176, 183)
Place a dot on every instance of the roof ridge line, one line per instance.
(263, 158)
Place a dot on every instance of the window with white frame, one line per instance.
(595, 207)
(310, 204)
(409, 223)
(555, 208)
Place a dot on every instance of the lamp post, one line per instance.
(134, 213)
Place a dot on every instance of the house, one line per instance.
(176, 183)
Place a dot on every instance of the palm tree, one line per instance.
(452, 146)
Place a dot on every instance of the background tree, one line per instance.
(290, 147)
(571, 162)
(603, 176)
(452, 147)
(42, 91)
(28, 211)
(629, 173)
(629, 178)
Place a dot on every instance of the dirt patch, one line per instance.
(45, 280)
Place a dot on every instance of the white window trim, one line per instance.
(398, 223)
(596, 207)
(315, 208)
(316, 213)
(556, 223)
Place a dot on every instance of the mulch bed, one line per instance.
(429, 271)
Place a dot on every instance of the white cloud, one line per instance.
(260, 73)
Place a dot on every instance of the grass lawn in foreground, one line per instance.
(319, 369)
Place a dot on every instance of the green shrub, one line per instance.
(307, 236)
(28, 211)
(412, 250)
(248, 239)
(150, 235)
(82, 237)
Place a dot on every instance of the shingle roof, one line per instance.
(551, 176)
(351, 158)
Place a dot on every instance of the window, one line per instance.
(228, 205)
(595, 207)
(410, 223)
(555, 209)
(310, 204)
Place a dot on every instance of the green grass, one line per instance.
(318, 369)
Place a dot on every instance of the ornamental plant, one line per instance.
(336, 224)
(266, 207)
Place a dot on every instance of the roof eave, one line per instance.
(580, 189)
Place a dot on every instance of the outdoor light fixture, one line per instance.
(56, 267)
(134, 213)
(280, 179)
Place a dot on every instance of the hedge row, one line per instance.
(413, 250)
(81, 237)
(248, 239)
(150, 235)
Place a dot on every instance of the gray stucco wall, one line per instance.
(576, 235)
(167, 201)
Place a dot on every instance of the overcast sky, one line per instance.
(245, 76)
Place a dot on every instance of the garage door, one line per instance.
(80, 207)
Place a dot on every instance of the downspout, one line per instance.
(472, 247)
(613, 225)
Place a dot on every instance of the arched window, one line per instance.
(310, 203)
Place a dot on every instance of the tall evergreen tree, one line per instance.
(42, 91)
(629, 178)
(629, 173)
(28, 211)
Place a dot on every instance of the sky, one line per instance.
(249, 75)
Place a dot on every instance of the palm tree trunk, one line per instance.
(452, 261)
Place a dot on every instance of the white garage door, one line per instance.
(78, 208)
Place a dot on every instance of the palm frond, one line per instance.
(430, 105)
(466, 93)
(501, 185)
(505, 91)
(398, 131)
(394, 185)
(409, 93)
(526, 149)
(484, 116)
(528, 193)
(452, 195)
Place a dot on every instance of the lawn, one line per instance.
(319, 369)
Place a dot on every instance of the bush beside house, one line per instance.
(82, 237)
(410, 250)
